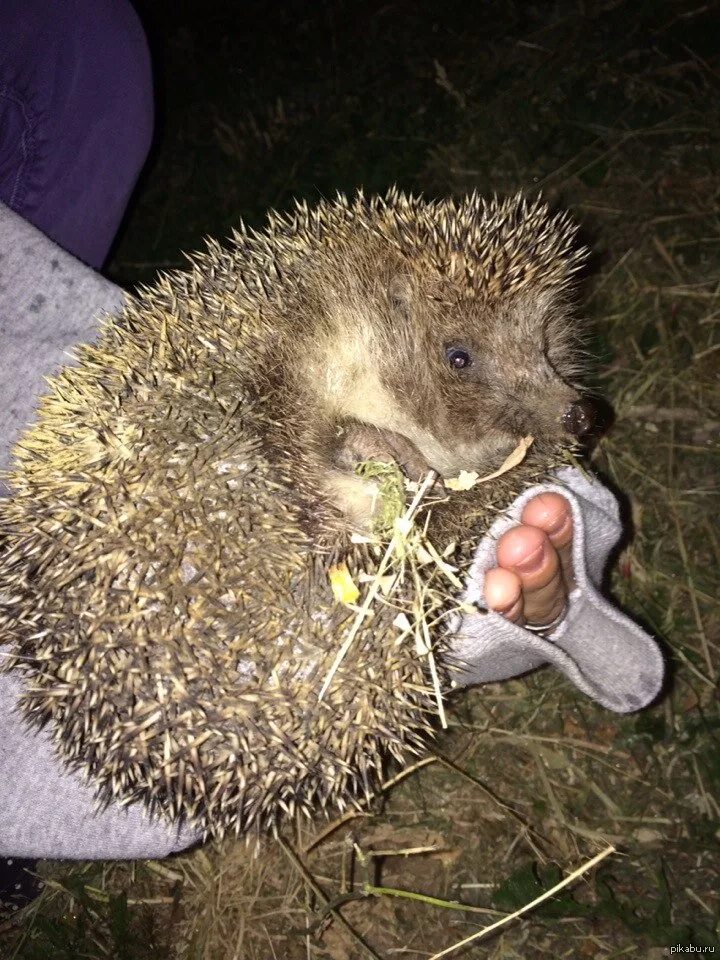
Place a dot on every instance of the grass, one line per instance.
(612, 109)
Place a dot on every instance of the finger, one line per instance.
(551, 513)
(527, 552)
(503, 593)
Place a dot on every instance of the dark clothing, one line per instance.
(76, 117)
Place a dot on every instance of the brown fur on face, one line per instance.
(518, 383)
(374, 352)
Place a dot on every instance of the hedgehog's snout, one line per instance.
(579, 418)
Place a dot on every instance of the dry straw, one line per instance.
(407, 542)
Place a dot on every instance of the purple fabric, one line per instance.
(76, 117)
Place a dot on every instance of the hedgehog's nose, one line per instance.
(579, 418)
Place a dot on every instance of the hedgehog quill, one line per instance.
(190, 483)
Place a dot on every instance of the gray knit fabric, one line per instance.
(47, 811)
(602, 651)
(48, 303)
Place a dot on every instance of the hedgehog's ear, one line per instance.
(400, 294)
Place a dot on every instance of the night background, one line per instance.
(612, 110)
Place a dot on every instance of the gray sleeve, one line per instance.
(597, 647)
(49, 302)
(47, 811)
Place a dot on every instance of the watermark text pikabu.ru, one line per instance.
(679, 948)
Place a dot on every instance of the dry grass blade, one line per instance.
(322, 896)
(376, 585)
(353, 814)
(486, 931)
(535, 839)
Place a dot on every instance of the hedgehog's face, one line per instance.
(473, 376)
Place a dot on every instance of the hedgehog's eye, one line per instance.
(458, 357)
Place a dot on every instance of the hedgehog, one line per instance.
(191, 480)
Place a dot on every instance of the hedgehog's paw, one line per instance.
(354, 497)
(364, 441)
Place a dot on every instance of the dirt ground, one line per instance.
(611, 109)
